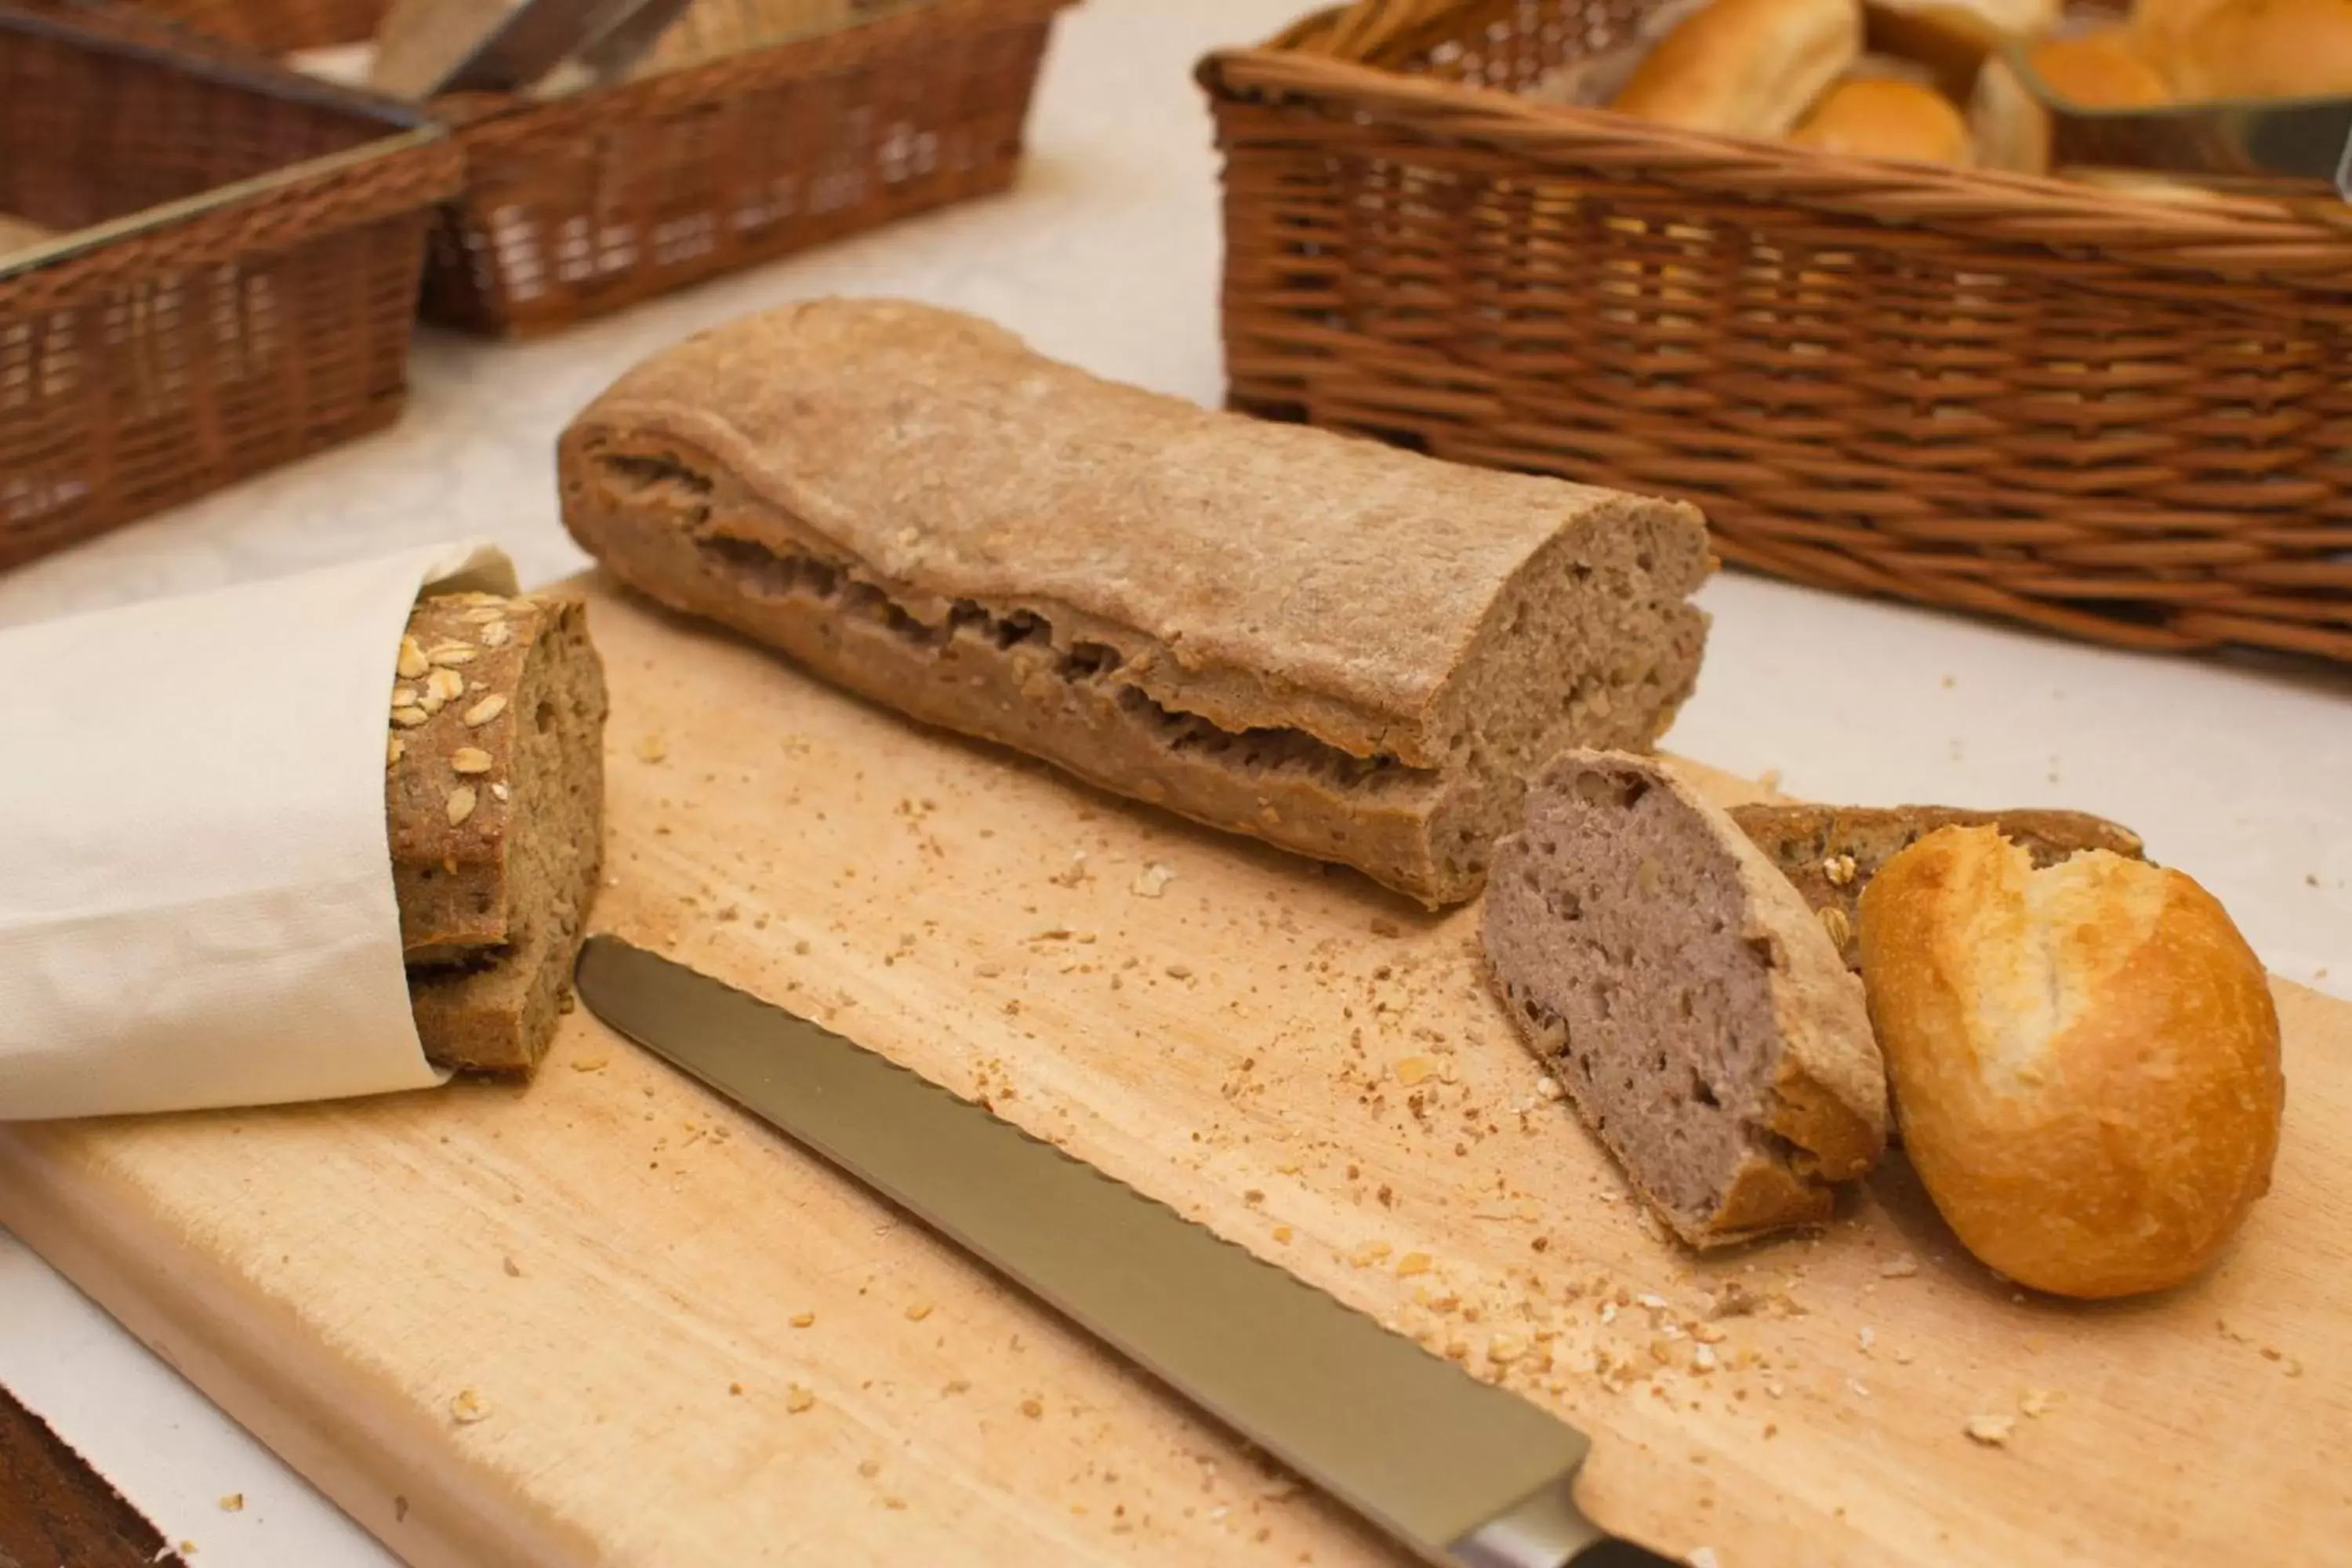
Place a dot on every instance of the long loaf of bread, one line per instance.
(1354, 652)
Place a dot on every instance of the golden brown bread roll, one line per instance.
(2103, 69)
(2161, 27)
(1956, 36)
(2106, 68)
(1748, 67)
(2085, 1058)
(2265, 48)
(1879, 117)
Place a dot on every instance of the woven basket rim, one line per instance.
(107, 28)
(75, 244)
(2232, 236)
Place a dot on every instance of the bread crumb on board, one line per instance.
(1992, 1431)
(468, 1406)
(798, 1401)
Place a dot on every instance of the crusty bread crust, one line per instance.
(494, 810)
(2085, 1058)
(1883, 116)
(1185, 607)
(1830, 852)
(1954, 37)
(1749, 68)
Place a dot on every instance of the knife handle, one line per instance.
(1546, 1529)
(1614, 1553)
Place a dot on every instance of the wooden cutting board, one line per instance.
(605, 1319)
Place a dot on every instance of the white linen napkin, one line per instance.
(196, 903)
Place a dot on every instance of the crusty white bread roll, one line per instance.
(2105, 69)
(2265, 48)
(1875, 117)
(2085, 1058)
(1956, 36)
(1747, 67)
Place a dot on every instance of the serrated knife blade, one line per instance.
(1463, 1474)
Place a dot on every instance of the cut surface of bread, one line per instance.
(1830, 852)
(1685, 998)
(1351, 651)
(494, 798)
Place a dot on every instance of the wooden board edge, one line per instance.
(245, 1354)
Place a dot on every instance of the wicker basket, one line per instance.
(579, 205)
(236, 281)
(2124, 420)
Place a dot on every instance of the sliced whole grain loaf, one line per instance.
(1354, 652)
(1684, 997)
(1830, 852)
(494, 798)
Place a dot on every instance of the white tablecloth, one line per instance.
(1108, 255)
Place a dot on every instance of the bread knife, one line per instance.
(1465, 1475)
(512, 45)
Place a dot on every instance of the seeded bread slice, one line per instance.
(1830, 852)
(1355, 652)
(494, 796)
(1694, 1009)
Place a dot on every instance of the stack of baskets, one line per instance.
(232, 280)
(2117, 419)
(810, 128)
(237, 248)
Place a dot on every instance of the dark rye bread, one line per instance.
(1351, 651)
(1830, 852)
(494, 794)
(1685, 998)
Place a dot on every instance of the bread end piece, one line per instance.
(2085, 1056)
(1830, 852)
(497, 818)
(1691, 1007)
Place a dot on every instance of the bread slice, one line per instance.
(494, 798)
(1348, 650)
(1830, 852)
(1691, 1005)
